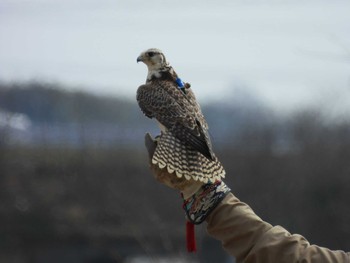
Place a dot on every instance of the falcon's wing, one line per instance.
(178, 112)
(192, 99)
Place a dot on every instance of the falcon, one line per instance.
(184, 145)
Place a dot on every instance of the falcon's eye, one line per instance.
(150, 54)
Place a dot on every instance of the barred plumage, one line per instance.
(180, 159)
(184, 146)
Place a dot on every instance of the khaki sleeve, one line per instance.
(251, 240)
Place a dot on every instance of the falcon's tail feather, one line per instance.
(184, 161)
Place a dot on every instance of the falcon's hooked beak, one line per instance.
(139, 58)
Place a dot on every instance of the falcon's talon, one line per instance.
(157, 138)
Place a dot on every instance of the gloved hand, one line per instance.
(186, 187)
(199, 198)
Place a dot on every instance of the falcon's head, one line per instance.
(153, 58)
(155, 61)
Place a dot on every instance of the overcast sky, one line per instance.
(287, 53)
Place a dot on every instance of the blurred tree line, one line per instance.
(51, 103)
(102, 202)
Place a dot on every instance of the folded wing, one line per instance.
(178, 112)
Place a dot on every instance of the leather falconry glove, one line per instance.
(199, 198)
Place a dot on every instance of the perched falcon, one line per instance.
(184, 146)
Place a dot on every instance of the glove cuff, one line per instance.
(191, 189)
(200, 205)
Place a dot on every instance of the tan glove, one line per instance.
(199, 198)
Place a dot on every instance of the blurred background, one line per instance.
(273, 81)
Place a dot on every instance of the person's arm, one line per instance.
(251, 240)
(242, 233)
